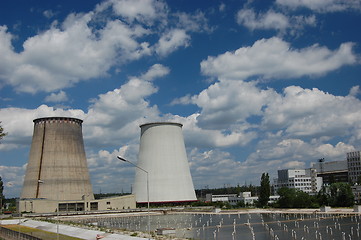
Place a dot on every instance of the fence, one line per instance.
(11, 234)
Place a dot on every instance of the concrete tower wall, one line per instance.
(162, 153)
(57, 167)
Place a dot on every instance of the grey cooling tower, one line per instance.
(162, 153)
(57, 167)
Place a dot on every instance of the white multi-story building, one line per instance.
(233, 199)
(305, 180)
(354, 165)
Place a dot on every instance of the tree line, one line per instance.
(338, 194)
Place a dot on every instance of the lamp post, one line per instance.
(125, 160)
(57, 210)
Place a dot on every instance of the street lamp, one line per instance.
(57, 210)
(125, 160)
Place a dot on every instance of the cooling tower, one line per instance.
(57, 167)
(162, 154)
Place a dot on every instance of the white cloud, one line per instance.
(104, 167)
(226, 103)
(204, 164)
(272, 20)
(355, 90)
(275, 58)
(145, 11)
(113, 115)
(283, 152)
(9, 58)
(60, 57)
(322, 6)
(86, 46)
(49, 13)
(268, 20)
(305, 112)
(12, 178)
(171, 41)
(196, 22)
(202, 137)
(57, 97)
(222, 7)
(156, 71)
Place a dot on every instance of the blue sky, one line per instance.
(257, 86)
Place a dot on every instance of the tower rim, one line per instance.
(57, 118)
(161, 123)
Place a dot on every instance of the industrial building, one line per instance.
(232, 199)
(335, 171)
(162, 156)
(354, 166)
(83, 205)
(57, 177)
(305, 180)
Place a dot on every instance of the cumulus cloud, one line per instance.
(355, 90)
(104, 166)
(272, 20)
(57, 97)
(144, 11)
(112, 115)
(211, 163)
(228, 102)
(196, 22)
(281, 152)
(208, 138)
(268, 20)
(12, 178)
(311, 112)
(87, 45)
(49, 13)
(60, 57)
(275, 58)
(322, 6)
(157, 70)
(171, 41)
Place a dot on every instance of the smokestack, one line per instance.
(57, 167)
(162, 154)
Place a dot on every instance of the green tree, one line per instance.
(287, 197)
(302, 200)
(332, 179)
(294, 198)
(265, 190)
(2, 134)
(341, 195)
(323, 198)
(2, 199)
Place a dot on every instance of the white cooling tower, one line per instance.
(162, 154)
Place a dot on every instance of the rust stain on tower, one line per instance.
(57, 167)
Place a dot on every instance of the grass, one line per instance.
(39, 233)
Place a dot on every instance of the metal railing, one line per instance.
(11, 234)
